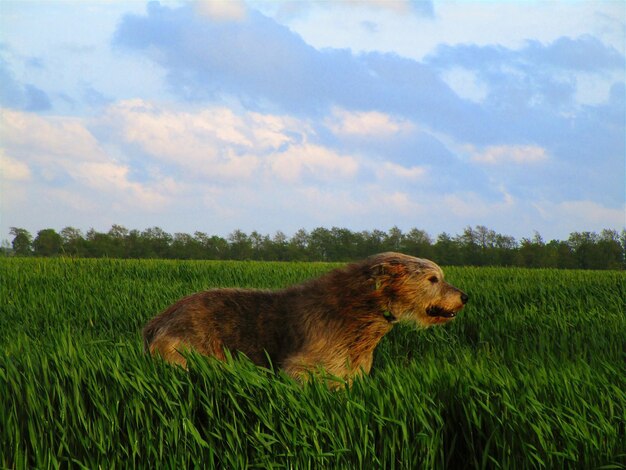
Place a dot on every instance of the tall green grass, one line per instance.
(532, 374)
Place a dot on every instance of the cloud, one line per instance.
(113, 178)
(61, 151)
(395, 172)
(60, 139)
(260, 61)
(286, 10)
(341, 207)
(222, 10)
(506, 154)
(549, 77)
(12, 169)
(400, 7)
(585, 214)
(221, 145)
(585, 53)
(367, 124)
(472, 206)
(213, 142)
(214, 111)
(466, 84)
(314, 160)
(36, 99)
(513, 95)
(16, 95)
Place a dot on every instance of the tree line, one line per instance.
(476, 246)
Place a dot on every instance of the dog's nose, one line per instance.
(464, 298)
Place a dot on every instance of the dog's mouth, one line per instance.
(438, 312)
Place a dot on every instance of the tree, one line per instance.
(184, 246)
(532, 252)
(240, 245)
(118, 237)
(505, 250)
(320, 242)
(394, 239)
(299, 246)
(73, 241)
(475, 246)
(156, 242)
(22, 241)
(279, 247)
(343, 246)
(47, 243)
(5, 248)
(470, 248)
(558, 254)
(373, 242)
(609, 248)
(622, 242)
(585, 248)
(446, 250)
(99, 245)
(418, 243)
(213, 247)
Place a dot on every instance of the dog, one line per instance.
(331, 323)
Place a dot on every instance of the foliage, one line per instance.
(22, 241)
(531, 375)
(477, 246)
(47, 243)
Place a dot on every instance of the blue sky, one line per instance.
(218, 115)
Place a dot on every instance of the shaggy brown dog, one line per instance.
(333, 322)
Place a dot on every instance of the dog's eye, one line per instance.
(433, 279)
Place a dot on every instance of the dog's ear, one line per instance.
(386, 268)
(379, 269)
(376, 274)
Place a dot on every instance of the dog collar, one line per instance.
(389, 316)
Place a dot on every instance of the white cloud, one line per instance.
(315, 160)
(222, 10)
(113, 178)
(480, 23)
(331, 205)
(586, 215)
(272, 132)
(472, 207)
(396, 6)
(173, 135)
(253, 171)
(11, 169)
(73, 200)
(366, 124)
(398, 202)
(593, 89)
(466, 84)
(56, 148)
(219, 143)
(505, 154)
(214, 142)
(395, 171)
(345, 207)
(38, 138)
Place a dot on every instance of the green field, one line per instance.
(532, 374)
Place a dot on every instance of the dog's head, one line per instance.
(414, 289)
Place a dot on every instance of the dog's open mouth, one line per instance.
(434, 311)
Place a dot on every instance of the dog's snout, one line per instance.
(464, 298)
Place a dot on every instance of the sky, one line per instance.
(213, 116)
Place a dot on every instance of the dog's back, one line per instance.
(255, 322)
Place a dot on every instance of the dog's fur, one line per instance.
(333, 322)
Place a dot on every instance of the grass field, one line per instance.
(532, 374)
